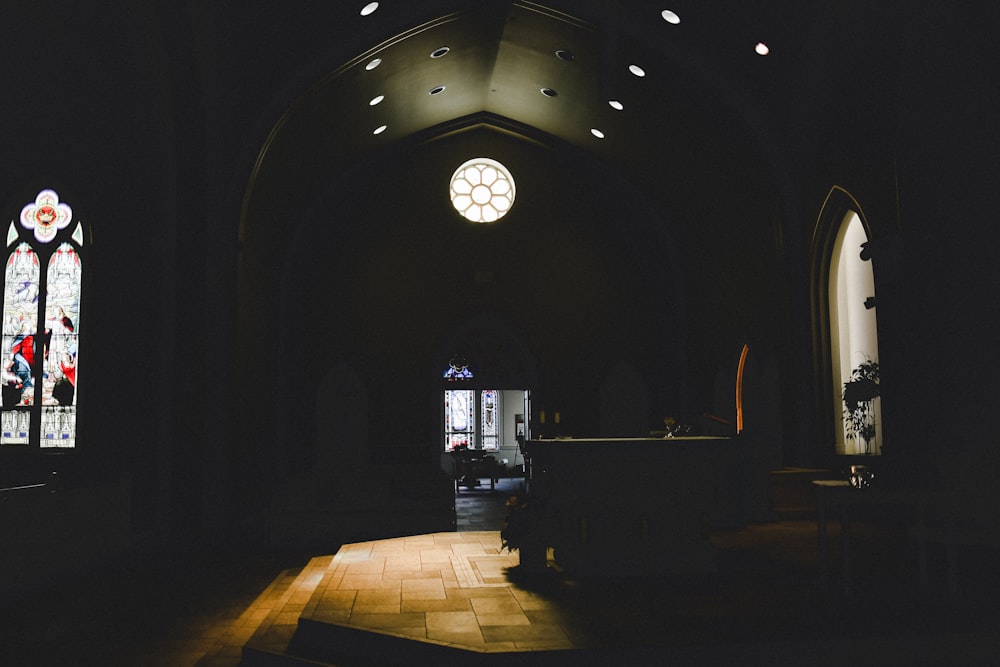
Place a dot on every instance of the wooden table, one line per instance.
(840, 493)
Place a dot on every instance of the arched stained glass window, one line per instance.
(41, 325)
(458, 369)
(489, 416)
(459, 421)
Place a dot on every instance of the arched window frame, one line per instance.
(489, 423)
(829, 409)
(46, 232)
(459, 418)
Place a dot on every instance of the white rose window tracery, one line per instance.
(482, 190)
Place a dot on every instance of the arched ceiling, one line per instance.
(708, 108)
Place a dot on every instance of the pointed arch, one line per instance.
(42, 295)
(845, 327)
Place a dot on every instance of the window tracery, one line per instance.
(41, 325)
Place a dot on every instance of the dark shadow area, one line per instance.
(161, 608)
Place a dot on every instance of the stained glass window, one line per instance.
(41, 325)
(489, 411)
(458, 369)
(459, 423)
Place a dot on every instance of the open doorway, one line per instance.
(487, 420)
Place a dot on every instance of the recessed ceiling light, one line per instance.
(440, 52)
(373, 64)
(638, 71)
(436, 90)
(563, 54)
(549, 92)
(761, 49)
(380, 129)
(616, 105)
(670, 17)
(597, 133)
(369, 9)
(375, 100)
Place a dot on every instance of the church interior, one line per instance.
(647, 261)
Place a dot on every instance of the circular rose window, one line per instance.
(482, 190)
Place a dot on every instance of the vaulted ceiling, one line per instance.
(663, 92)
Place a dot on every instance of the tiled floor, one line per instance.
(763, 606)
(196, 607)
(446, 588)
(482, 507)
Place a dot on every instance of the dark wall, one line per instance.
(948, 148)
(391, 271)
(88, 111)
(583, 268)
(903, 135)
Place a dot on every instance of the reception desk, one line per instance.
(624, 506)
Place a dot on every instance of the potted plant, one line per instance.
(521, 531)
(859, 393)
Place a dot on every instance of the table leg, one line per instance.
(921, 546)
(952, 564)
(845, 545)
(821, 536)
